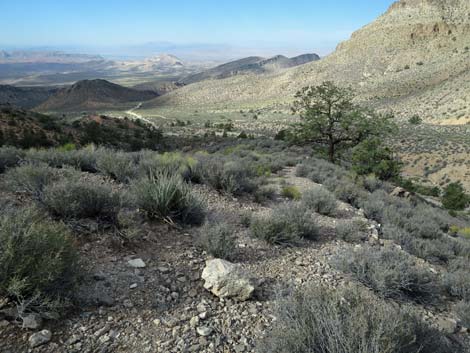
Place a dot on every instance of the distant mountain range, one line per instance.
(253, 64)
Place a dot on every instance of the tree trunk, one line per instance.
(331, 152)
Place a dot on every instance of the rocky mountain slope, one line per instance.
(24, 97)
(252, 64)
(93, 95)
(414, 59)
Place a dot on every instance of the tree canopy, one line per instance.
(330, 120)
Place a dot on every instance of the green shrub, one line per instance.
(457, 283)
(374, 205)
(371, 157)
(371, 183)
(38, 263)
(462, 309)
(119, 166)
(415, 119)
(352, 231)
(348, 320)
(320, 200)
(232, 177)
(9, 157)
(291, 192)
(389, 272)
(79, 199)
(168, 198)
(30, 179)
(167, 163)
(264, 194)
(287, 224)
(347, 191)
(454, 197)
(217, 239)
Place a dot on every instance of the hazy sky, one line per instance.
(301, 25)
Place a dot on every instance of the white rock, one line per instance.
(227, 280)
(136, 263)
(39, 338)
(204, 331)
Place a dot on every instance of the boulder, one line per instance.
(136, 263)
(400, 192)
(227, 280)
(39, 338)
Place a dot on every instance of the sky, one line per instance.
(135, 27)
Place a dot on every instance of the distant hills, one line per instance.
(89, 95)
(25, 97)
(253, 64)
(414, 59)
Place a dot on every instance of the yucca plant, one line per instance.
(168, 198)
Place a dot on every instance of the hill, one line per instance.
(25, 129)
(253, 64)
(24, 97)
(414, 59)
(93, 95)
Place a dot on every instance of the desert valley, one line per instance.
(272, 204)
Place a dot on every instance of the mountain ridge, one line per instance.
(414, 59)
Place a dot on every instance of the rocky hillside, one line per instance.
(26, 129)
(24, 97)
(414, 59)
(93, 95)
(252, 64)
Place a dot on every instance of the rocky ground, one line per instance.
(148, 296)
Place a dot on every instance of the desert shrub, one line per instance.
(167, 163)
(264, 194)
(389, 272)
(302, 170)
(352, 231)
(232, 177)
(320, 200)
(415, 119)
(425, 223)
(454, 197)
(374, 205)
(71, 199)
(119, 166)
(457, 283)
(462, 309)
(30, 179)
(38, 261)
(9, 157)
(347, 191)
(291, 192)
(217, 239)
(439, 250)
(345, 320)
(321, 171)
(371, 183)
(287, 224)
(83, 159)
(168, 198)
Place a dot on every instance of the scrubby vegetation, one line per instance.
(38, 261)
(218, 240)
(288, 224)
(390, 273)
(318, 319)
(320, 200)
